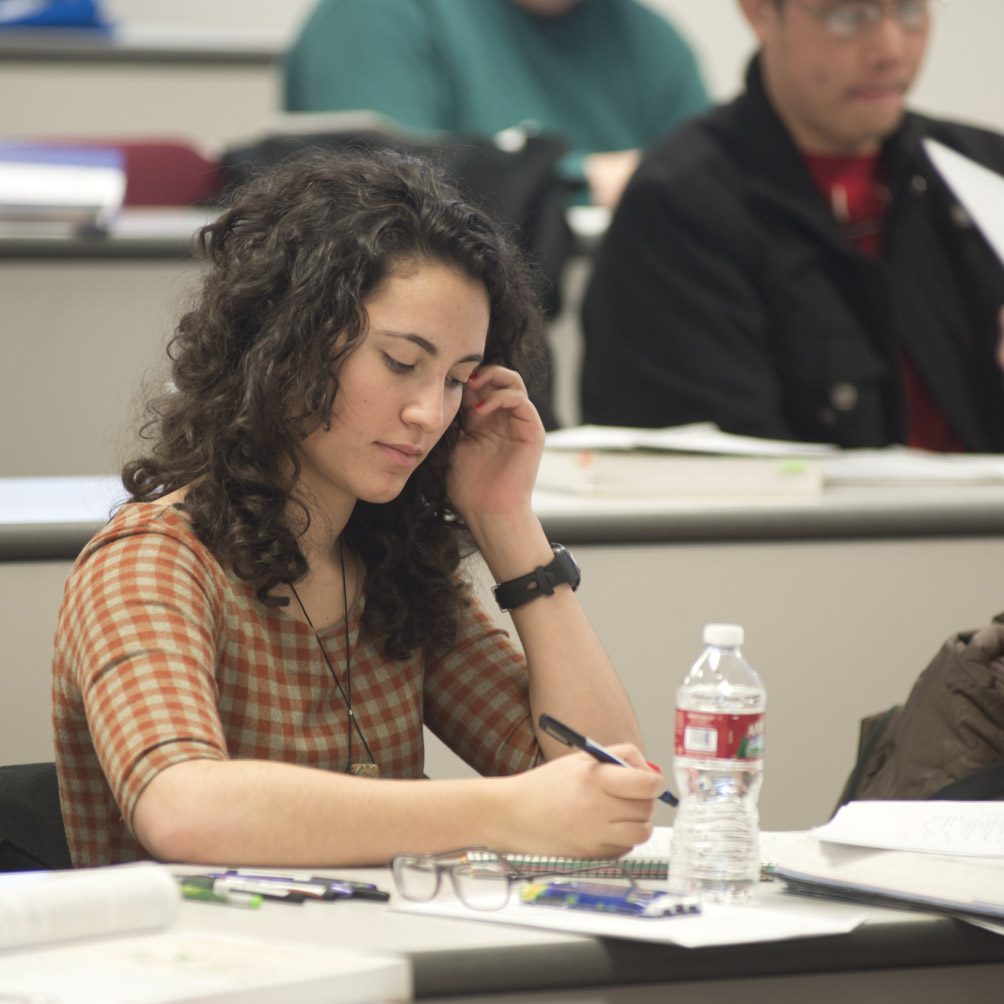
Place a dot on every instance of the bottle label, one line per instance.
(718, 736)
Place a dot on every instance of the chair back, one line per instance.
(32, 835)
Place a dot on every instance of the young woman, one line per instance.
(247, 653)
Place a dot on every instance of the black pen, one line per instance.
(296, 890)
(561, 732)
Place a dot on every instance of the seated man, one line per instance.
(791, 265)
(608, 76)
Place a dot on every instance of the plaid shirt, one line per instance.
(162, 656)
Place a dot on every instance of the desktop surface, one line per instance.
(453, 958)
(49, 518)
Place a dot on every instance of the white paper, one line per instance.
(657, 846)
(889, 465)
(980, 190)
(936, 882)
(971, 829)
(903, 465)
(701, 437)
(204, 966)
(716, 925)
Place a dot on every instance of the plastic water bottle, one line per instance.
(718, 765)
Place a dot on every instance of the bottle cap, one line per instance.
(723, 635)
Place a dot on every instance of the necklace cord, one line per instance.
(345, 692)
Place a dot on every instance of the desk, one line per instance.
(213, 86)
(166, 234)
(895, 956)
(137, 43)
(840, 512)
(51, 518)
(844, 599)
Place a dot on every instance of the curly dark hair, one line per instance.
(292, 260)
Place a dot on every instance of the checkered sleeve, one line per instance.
(140, 630)
(477, 698)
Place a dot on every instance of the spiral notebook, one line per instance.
(649, 860)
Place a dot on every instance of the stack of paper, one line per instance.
(701, 460)
(904, 465)
(692, 461)
(942, 857)
(599, 474)
(697, 438)
(51, 188)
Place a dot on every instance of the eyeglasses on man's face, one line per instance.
(481, 877)
(849, 18)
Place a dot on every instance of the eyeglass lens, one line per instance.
(416, 878)
(856, 15)
(479, 885)
(482, 886)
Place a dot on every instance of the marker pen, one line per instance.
(211, 891)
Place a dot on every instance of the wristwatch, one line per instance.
(540, 582)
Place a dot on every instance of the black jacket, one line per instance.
(725, 291)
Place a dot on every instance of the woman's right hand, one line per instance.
(576, 806)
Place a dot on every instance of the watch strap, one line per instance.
(541, 581)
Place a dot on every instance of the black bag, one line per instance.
(947, 740)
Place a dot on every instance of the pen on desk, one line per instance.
(561, 732)
(197, 887)
(285, 887)
(360, 890)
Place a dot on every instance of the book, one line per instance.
(655, 473)
(690, 462)
(42, 907)
(111, 936)
(56, 188)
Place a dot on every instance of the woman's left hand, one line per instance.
(502, 438)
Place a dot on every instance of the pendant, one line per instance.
(365, 769)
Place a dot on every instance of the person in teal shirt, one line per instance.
(608, 76)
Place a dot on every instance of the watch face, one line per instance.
(567, 567)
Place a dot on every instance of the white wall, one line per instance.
(963, 78)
